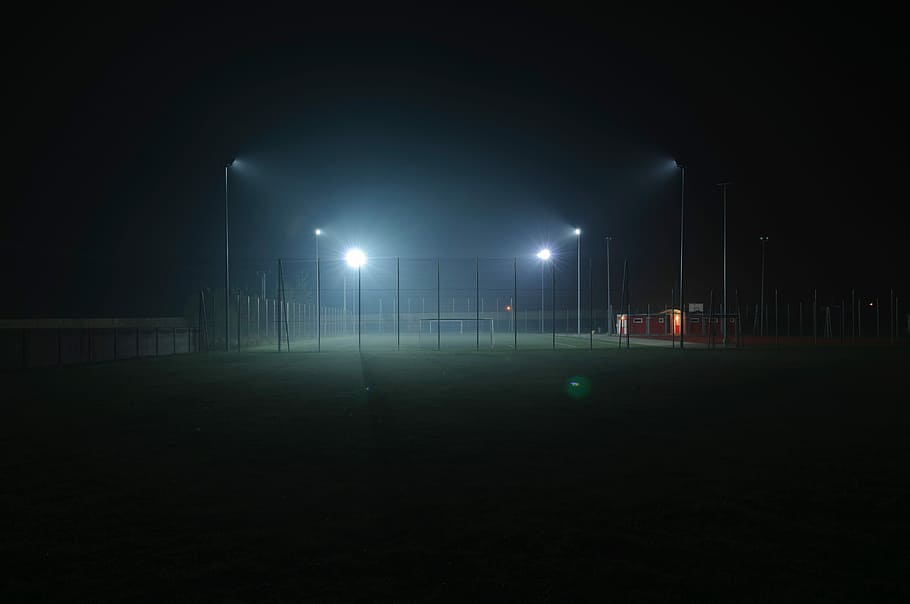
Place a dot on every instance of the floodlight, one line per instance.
(318, 231)
(578, 231)
(544, 254)
(355, 258)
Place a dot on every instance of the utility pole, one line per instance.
(682, 215)
(723, 185)
(607, 241)
(764, 241)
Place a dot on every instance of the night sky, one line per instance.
(455, 136)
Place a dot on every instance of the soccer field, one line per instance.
(642, 474)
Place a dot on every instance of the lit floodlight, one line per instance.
(318, 231)
(355, 258)
(578, 231)
(544, 254)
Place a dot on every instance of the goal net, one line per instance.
(455, 334)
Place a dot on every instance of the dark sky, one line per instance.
(448, 135)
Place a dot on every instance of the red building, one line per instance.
(696, 324)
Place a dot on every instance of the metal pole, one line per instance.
(318, 303)
(477, 299)
(227, 268)
(682, 214)
(398, 302)
(672, 320)
(541, 297)
(438, 313)
(761, 330)
(359, 310)
(590, 304)
(724, 312)
(515, 301)
(578, 283)
(607, 241)
(553, 270)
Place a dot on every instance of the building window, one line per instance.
(638, 320)
(660, 320)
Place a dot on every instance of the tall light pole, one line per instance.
(723, 185)
(682, 215)
(578, 278)
(227, 263)
(764, 241)
(543, 255)
(607, 241)
(356, 259)
(316, 235)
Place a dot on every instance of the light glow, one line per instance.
(355, 258)
(578, 231)
(544, 254)
(318, 232)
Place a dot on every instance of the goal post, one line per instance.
(462, 333)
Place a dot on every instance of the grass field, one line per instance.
(736, 475)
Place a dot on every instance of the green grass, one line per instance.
(729, 475)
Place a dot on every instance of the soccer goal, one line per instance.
(463, 334)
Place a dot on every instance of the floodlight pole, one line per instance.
(359, 309)
(761, 330)
(477, 300)
(578, 280)
(553, 270)
(438, 313)
(318, 309)
(227, 267)
(723, 185)
(541, 296)
(682, 215)
(607, 241)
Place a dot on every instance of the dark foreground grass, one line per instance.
(704, 476)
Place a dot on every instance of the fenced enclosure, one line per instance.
(397, 303)
(447, 304)
(56, 342)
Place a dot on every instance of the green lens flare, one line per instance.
(578, 387)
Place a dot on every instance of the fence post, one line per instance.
(438, 313)
(514, 302)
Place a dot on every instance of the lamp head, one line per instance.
(355, 258)
(318, 232)
(544, 254)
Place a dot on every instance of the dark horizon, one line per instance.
(455, 141)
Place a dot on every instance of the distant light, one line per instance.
(508, 308)
(871, 304)
(355, 258)
(319, 231)
(578, 231)
(544, 254)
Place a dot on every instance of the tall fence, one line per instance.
(507, 303)
(397, 303)
(55, 342)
